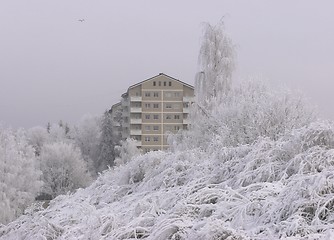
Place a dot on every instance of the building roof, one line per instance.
(114, 106)
(160, 74)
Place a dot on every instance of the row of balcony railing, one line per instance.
(135, 132)
(140, 110)
(139, 121)
(135, 121)
(125, 102)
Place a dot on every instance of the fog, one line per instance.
(53, 66)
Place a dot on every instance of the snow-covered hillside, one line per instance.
(281, 189)
(255, 164)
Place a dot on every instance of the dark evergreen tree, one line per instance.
(67, 129)
(107, 143)
(48, 127)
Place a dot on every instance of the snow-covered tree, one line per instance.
(235, 114)
(254, 165)
(87, 137)
(19, 174)
(216, 63)
(108, 141)
(37, 137)
(63, 167)
(126, 151)
(249, 111)
(58, 133)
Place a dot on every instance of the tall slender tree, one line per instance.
(216, 63)
(107, 143)
(87, 137)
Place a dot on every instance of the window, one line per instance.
(168, 95)
(155, 94)
(176, 106)
(137, 94)
(176, 128)
(147, 94)
(155, 116)
(147, 116)
(159, 83)
(155, 128)
(170, 84)
(154, 83)
(147, 128)
(165, 84)
(176, 94)
(155, 139)
(176, 116)
(168, 105)
(155, 105)
(147, 139)
(147, 105)
(168, 117)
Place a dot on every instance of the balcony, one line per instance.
(136, 109)
(186, 121)
(135, 99)
(188, 99)
(135, 121)
(186, 110)
(135, 132)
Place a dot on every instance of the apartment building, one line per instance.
(152, 109)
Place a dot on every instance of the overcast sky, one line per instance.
(54, 67)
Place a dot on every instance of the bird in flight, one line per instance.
(81, 20)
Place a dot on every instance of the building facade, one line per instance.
(152, 109)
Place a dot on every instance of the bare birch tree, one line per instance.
(216, 63)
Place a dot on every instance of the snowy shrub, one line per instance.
(235, 115)
(19, 174)
(63, 168)
(126, 151)
(246, 113)
(269, 189)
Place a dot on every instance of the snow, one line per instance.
(255, 164)
(271, 189)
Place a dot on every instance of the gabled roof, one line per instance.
(160, 74)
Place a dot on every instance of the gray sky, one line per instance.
(54, 67)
